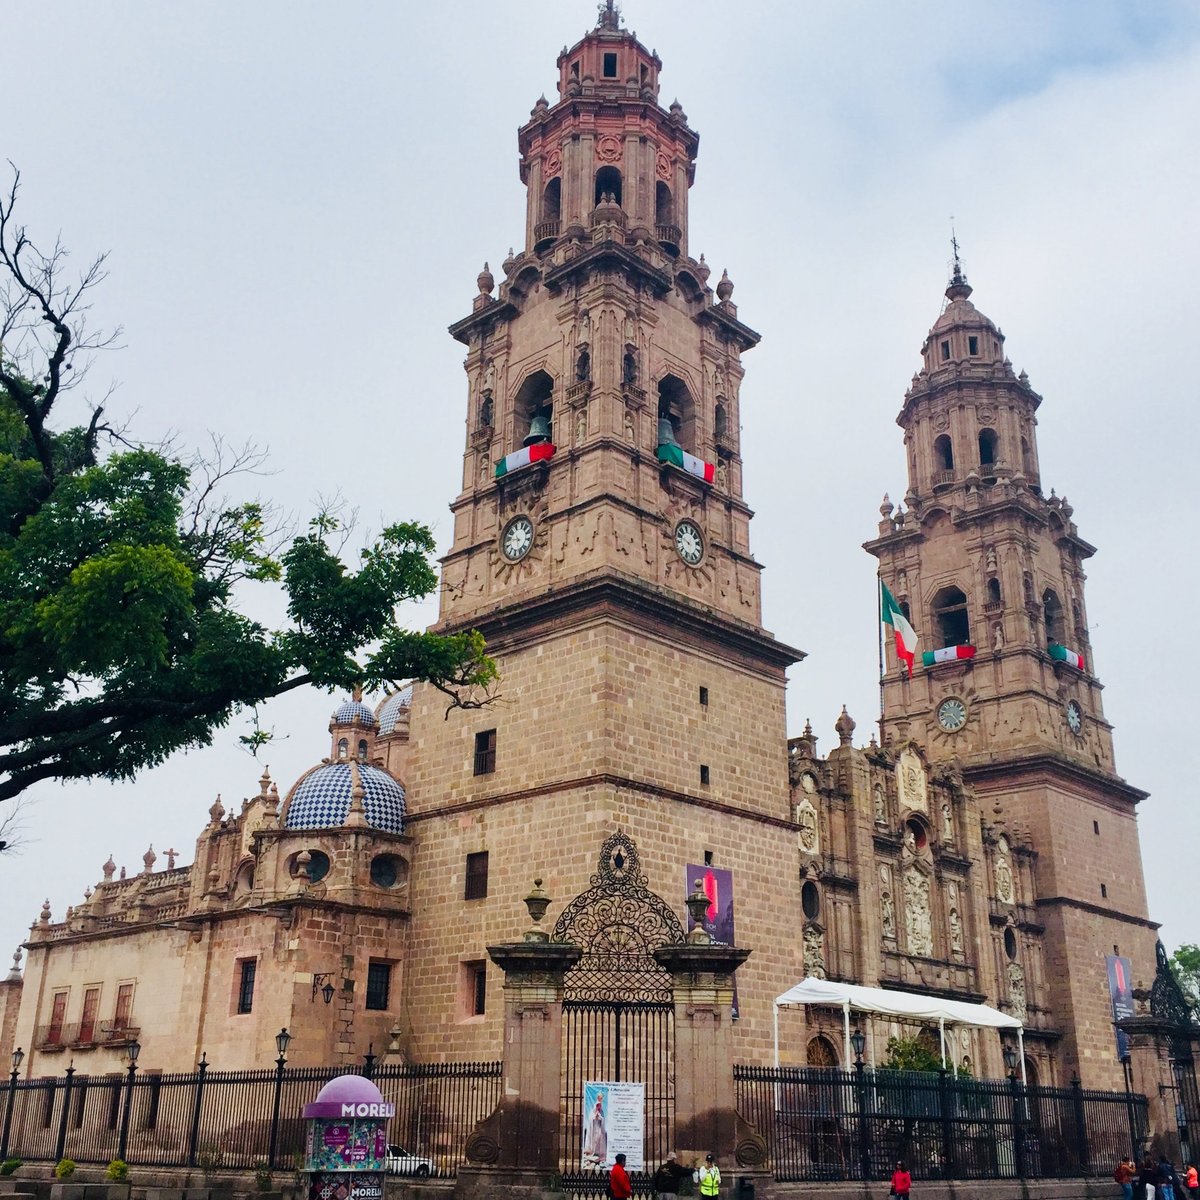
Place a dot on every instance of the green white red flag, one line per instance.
(677, 456)
(892, 615)
(523, 458)
(1067, 655)
(947, 654)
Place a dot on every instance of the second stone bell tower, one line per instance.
(601, 544)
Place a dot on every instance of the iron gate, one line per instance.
(618, 1009)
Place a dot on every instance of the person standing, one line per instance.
(1166, 1177)
(901, 1182)
(667, 1177)
(1191, 1181)
(1147, 1178)
(619, 1186)
(708, 1177)
(1124, 1175)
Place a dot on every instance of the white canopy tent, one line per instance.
(905, 1005)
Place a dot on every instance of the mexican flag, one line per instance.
(947, 654)
(893, 616)
(1063, 654)
(677, 456)
(523, 458)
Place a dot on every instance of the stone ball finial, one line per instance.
(885, 509)
(537, 902)
(844, 727)
(44, 915)
(264, 781)
(703, 270)
(217, 810)
(509, 262)
(725, 287)
(486, 281)
(542, 104)
(149, 859)
(109, 869)
(121, 873)
(14, 975)
(677, 110)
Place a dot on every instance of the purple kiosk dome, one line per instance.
(349, 1096)
(347, 1146)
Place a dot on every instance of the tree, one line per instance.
(122, 568)
(1185, 966)
(911, 1054)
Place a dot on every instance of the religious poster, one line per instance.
(717, 884)
(1120, 990)
(614, 1122)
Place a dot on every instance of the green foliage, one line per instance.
(910, 1054)
(117, 1171)
(211, 1158)
(9, 1165)
(64, 1169)
(123, 576)
(1185, 966)
(262, 1177)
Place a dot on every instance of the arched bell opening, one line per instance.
(950, 618)
(608, 183)
(1052, 611)
(534, 415)
(676, 414)
(546, 230)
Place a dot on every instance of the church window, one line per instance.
(821, 1053)
(485, 752)
(708, 858)
(1026, 458)
(664, 205)
(387, 871)
(704, 774)
(473, 989)
(945, 351)
(1010, 944)
(608, 183)
(810, 900)
(58, 1013)
(552, 200)
(1096, 828)
(362, 751)
(477, 876)
(704, 696)
(343, 748)
(675, 405)
(247, 970)
(943, 453)
(124, 1010)
(720, 419)
(916, 835)
(610, 66)
(87, 1023)
(1053, 614)
(535, 402)
(987, 447)
(318, 865)
(1104, 891)
(972, 345)
(486, 410)
(950, 618)
(993, 586)
(379, 984)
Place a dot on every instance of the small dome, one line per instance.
(394, 709)
(321, 799)
(351, 712)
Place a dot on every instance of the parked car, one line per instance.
(405, 1162)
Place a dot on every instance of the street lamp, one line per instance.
(1010, 1059)
(17, 1056)
(132, 1051)
(282, 1041)
(858, 1040)
(327, 990)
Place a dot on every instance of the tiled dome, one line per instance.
(389, 713)
(350, 711)
(321, 799)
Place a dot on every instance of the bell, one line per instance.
(539, 431)
(666, 432)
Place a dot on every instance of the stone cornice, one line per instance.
(498, 310)
(609, 254)
(1047, 765)
(1096, 910)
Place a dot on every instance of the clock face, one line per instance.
(517, 539)
(1074, 717)
(952, 714)
(689, 541)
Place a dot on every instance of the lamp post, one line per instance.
(858, 1041)
(194, 1137)
(369, 1061)
(1018, 1115)
(132, 1051)
(17, 1055)
(1134, 1140)
(282, 1039)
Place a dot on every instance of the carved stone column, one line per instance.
(706, 1117)
(1153, 1076)
(518, 1145)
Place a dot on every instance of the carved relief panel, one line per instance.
(911, 782)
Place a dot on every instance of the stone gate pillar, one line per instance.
(517, 1147)
(1153, 1076)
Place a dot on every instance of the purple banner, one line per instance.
(1120, 991)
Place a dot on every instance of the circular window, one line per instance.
(318, 865)
(810, 900)
(388, 871)
(915, 836)
(1010, 944)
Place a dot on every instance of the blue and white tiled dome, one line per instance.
(321, 799)
(350, 711)
(394, 708)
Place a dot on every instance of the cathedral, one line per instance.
(978, 845)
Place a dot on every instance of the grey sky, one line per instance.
(297, 199)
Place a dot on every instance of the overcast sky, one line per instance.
(297, 199)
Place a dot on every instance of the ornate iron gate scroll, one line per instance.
(618, 1009)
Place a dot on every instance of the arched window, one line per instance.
(950, 618)
(943, 453)
(608, 182)
(534, 399)
(1052, 610)
(720, 419)
(343, 748)
(362, 751)
(1026, 458)
(552, 200)
(675, 405)
(664, 205)
(810, 900)
(987, 447)
(820, 1053)
(993, 587)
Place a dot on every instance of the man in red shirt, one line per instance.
(619, 1187)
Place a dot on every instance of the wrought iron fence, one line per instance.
(226, 1119)
(827, 1124)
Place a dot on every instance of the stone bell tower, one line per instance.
(601, 539)
(989, 570)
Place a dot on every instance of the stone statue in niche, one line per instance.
(806, 818)
(581, 426)
(814, 953)
(486, 410)
(722, 475)
(887, 906)
(880, 808)
(629, 369)
(947, 823)
(485, 468)
(583, 366)
(991, 558)
(489, 379)
(630, 431)
(1004, 881)
(997, 636)
(585, 328)
(629, 330)
(1017, 997)
(956, 935)
(918, 924)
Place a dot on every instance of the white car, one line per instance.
(404, 1162)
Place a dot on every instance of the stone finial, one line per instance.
(509, 262)
(885, 509)
(697, 905)
(703, 270)
(844, 727)
(87, 892)
(14, 975)
(44, 915)
(537, 902)
(677, 110)
(171, 856)
(542, 103)
(149, 859)
(724, 287)
(109, 869)
(121, 875)
(217, 811)
(70, 911)
(303, 859)
(264, 782)
(357, 814)
(486, 281)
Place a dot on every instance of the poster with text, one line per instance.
(1120, 991)
(614, 1122)
(717, 884)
